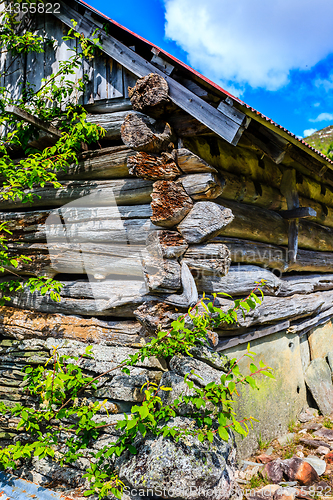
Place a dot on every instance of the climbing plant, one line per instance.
(64, 426)
(55, 102)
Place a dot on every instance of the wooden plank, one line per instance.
(251, 335)
(217, 121)
(298, 213)
(289, 190)
(115, 79)
(33, 120)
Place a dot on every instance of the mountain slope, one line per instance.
(321, 139)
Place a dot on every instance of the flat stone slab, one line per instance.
(318, 378)
(324, 433)
(330, 359)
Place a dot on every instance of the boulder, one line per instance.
(186, 469)
(273, 471)
(318, 378)
(297, 469)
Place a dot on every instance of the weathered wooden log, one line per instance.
(119, 225)
(111, 122)
(150, 95)
(303, 327)
(153, 167)
(205, 186)
(116, 298)
(275, 309)
(275, 257)
(251, 335)
(241, 279)
(191, 163)
(210, 258)
(204, 221)
(88, 193)
(258, 224)
(146, 134)
(167, 244)
(170, 203)
(106, 163)
(22, 324)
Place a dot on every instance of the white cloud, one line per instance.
(326, 83)
(316, 104)
(253, 42)
(309, 131)
(323, 117)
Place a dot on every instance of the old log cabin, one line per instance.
(219, 195)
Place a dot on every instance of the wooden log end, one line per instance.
(204, 221)
(145, 134)
(167, 244)
(170, 203)
(150, 95)
(153, 167)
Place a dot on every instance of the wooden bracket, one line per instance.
(33, 120)
(298, 213)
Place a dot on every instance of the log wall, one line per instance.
(139, 229)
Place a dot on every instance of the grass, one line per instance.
(328, 423)
(262, 443)
(257, 481)
(289, 451)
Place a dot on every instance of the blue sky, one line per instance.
(276, 55)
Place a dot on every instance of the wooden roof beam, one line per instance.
(216, 120)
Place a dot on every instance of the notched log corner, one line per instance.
(166, 244)
(146, 134)
(170, 203)
(162, 275)
(204, 221)
(153, 167)
(150, 95)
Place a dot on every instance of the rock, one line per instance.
(285, 494)
(214, 359)
(324, 433)
(318, 378)
(264, 458)
(273, 471)
(270, 450)
(329, 458)
(305, 416)
(314, 426)
(322, 450)
(186, 469)
(105, 357)
(286, 439)
(318, 464)
(203, 374)
(128, 387)
(297, 469)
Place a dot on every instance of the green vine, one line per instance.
(61, 384)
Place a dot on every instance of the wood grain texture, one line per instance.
(88, 193)
(143, 133)
(153, 167)
(150, 95)
(276, 257)
(170, 203)
(204, 221)
(203, 186)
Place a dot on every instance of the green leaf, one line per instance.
(223, 433)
